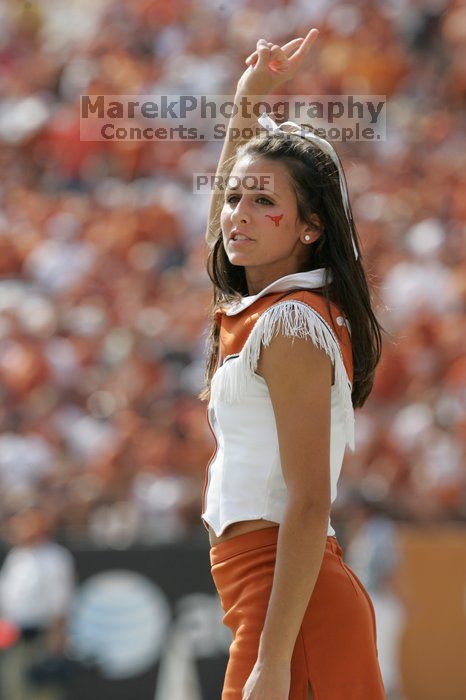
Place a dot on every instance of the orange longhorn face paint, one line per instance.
(276, 219)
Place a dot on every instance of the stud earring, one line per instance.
(307, 238)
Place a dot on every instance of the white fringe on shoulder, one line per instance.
(293, 318)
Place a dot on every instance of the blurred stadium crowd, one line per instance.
(104, 294)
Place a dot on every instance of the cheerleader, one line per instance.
(292, 350)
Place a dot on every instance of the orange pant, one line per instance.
(336, 648)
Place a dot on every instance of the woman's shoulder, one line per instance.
(307, 312)
(327, 309)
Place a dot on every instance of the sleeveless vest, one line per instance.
(243, 479)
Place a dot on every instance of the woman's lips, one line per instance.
(241, 242)
(243, 237)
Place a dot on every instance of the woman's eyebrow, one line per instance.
(251, 190)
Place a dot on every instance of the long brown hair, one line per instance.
(314, 177)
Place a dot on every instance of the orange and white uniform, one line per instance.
(336, 649)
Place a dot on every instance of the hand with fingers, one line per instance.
(270, 64)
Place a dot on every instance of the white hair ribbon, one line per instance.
(268, 123)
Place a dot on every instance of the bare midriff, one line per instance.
(239, 528)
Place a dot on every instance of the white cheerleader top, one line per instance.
(244, 479)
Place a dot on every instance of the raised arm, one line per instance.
(269, 66)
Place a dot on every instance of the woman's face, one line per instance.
(260, 203)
